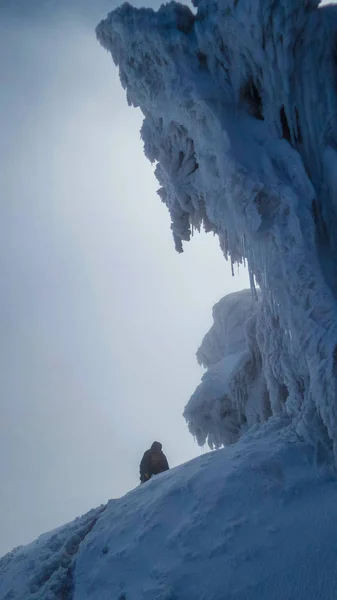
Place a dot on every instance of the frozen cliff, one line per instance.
(239, 104)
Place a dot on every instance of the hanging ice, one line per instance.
(232, 395)
(239, 104)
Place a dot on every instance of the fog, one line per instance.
(100, 318)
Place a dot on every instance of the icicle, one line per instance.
(239, 115)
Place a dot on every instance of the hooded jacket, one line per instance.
(153, 462)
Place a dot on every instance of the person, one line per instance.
(153, 462)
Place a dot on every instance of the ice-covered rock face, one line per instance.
(232, 395)
(239, 104)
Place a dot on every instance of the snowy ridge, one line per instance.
(220, 527)
(240, 118)
(43, 570)
(253, 521)
(232, 396)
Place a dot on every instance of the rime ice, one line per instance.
(239, 105)
(233, 395)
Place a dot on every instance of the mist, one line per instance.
(100, 318)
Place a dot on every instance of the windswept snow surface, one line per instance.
(233, 395)
(240, 112)
(253, 521)
(43, 570)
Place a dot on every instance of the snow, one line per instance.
(203, 532)
(239, 113)
(253, 521)
(232, 396)
(43, 569)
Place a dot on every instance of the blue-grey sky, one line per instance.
(100, 318)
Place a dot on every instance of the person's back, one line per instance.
(153, 462)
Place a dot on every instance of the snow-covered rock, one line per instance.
(240, 111)
(233, 395)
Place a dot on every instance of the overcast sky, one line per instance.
(100, 318)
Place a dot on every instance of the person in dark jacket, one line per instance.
(153, 462)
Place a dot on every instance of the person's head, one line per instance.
(156, 446)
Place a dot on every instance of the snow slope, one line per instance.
(43, 569)
(254, 521)
(239, 112)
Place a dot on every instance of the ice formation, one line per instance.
(239, 104)
(233, 394)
